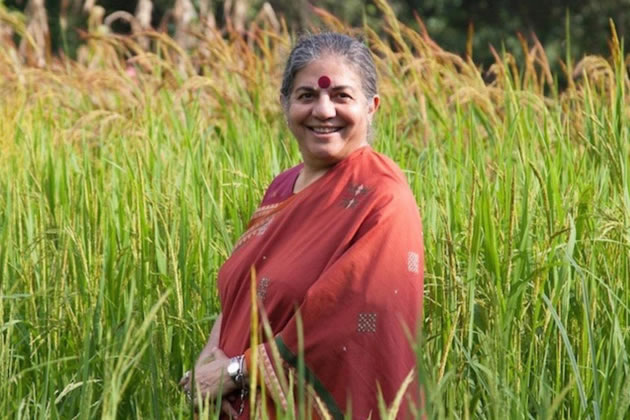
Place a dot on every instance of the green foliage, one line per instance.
(120, 196)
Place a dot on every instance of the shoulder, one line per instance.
(377, 166)
(388, 201)
(377, 189)
(282, 185)
(385, 178)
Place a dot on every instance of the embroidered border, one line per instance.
(256, 230)
(260, 221)
(270, 377)
(333, 409)
(265, 210)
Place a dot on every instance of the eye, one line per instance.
(344, 95)
(305, 96)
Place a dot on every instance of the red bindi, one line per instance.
(323, 82)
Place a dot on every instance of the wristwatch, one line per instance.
(236, 371)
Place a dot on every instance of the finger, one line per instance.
(185, 379)
(227, 408)
(186, 387)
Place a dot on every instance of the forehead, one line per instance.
(337, 69)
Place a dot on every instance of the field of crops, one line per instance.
(127, 175)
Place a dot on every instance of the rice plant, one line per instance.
(121, 193)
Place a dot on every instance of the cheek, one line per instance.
(293, 123)
(295, 115)
(357, 116)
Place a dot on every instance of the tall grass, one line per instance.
(120, 197)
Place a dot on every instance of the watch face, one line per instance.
(232, 368)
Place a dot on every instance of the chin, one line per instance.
(327, 153)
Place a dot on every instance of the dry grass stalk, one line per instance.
(88, 5)
(6, 35)
(95, 20)
(412, 65)
(143, 15)
(63, 14)
(35, 49)
(330, 20)
(208, 21)
(123, 15)
(236, 12)
(267, 14)
(184, 14)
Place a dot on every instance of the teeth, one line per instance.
(324, 130)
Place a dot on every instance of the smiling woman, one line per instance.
(328, 114)
(337, 247)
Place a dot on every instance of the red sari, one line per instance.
(347, 253)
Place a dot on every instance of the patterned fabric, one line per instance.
(261, 290)
(354, 194)
(367, 323)
(347, 253)
(413, 262)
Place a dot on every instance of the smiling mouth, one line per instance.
(325, 130)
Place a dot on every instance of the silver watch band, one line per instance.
(237, 371)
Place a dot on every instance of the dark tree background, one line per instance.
(494, 22)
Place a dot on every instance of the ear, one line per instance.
(373, 105)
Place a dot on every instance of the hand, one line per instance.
(226, 406)
(200, 362)
(227, 409)
(211, 378)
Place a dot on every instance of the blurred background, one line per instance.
(565, 28)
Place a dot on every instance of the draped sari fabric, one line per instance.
(347, 254)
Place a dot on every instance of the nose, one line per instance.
(324, 108)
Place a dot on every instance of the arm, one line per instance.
(210, 368)
(206, 354)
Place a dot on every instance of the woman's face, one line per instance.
(329, 122)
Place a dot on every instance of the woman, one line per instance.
(336, 246)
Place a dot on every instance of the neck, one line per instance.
(308, 175)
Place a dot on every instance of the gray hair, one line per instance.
(312, 47)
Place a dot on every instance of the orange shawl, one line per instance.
(346, 253)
